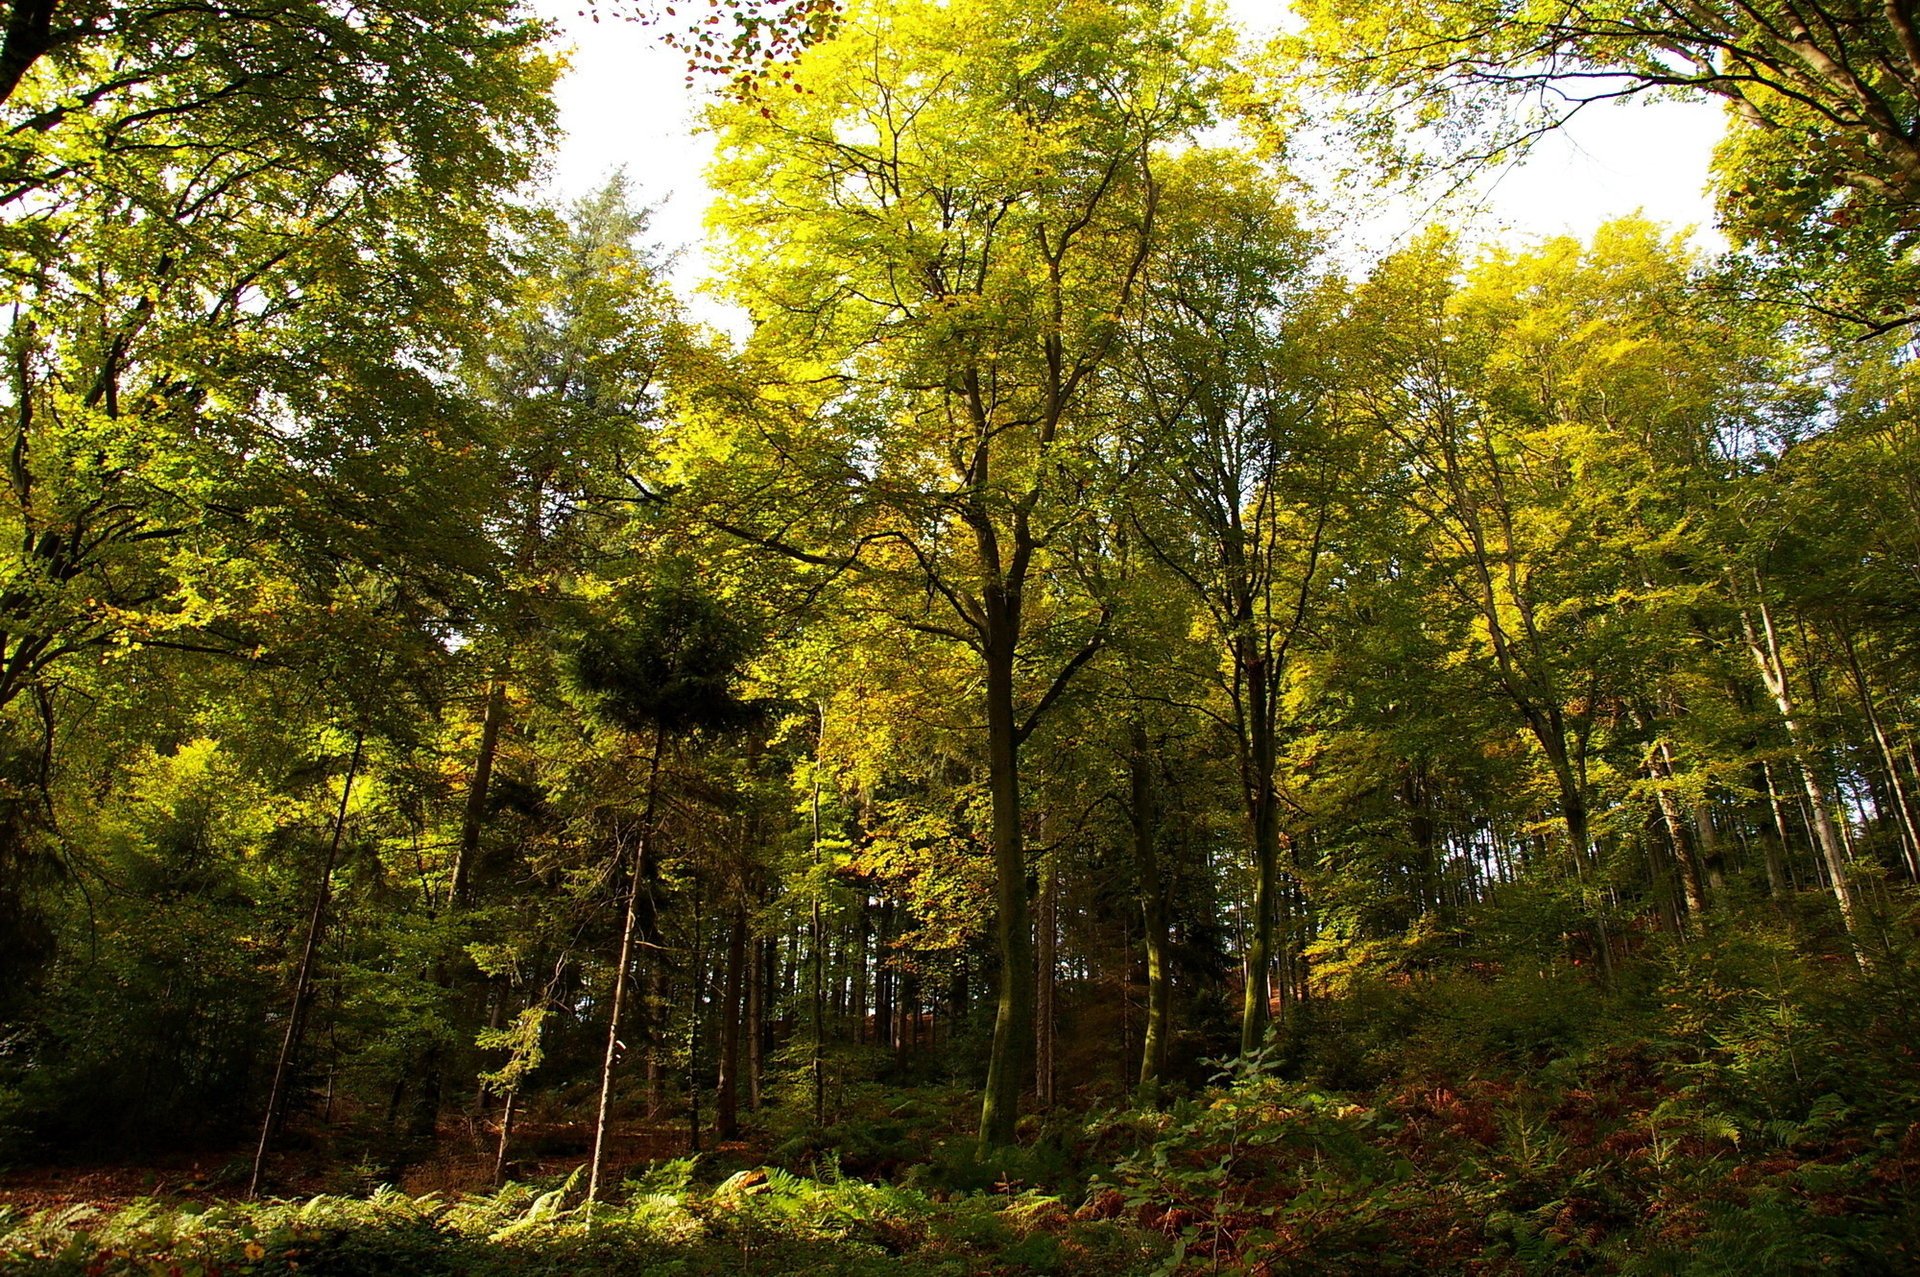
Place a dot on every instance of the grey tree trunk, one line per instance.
(1765, 649)
(1909, 830)
(1145, 822)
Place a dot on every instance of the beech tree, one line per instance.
(941, 243)
(1239, 492)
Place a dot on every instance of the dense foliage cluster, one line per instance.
(462, 721)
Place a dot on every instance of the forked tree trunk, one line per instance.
(473, 812)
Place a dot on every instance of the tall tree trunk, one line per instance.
(860, 980)
(1145, 822)
(426, 1077)
(1909, 830)
(819, 941)
(303, 979)
(473, 812)
(635, 886)
(1010, 1060)
(726, 1103)
(884, 982)
(1780, 879)
(697, 977)
(1765, 649)
(1712, 847)
(1263, 818)
(1415, 793)
(657, 1003)
(1046, 960)
(760, 978)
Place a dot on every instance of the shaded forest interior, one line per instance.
(1105, 731)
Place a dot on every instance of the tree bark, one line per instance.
(1765, 649)
(303, 980)
(473, 812)
(759, 980)
(1263, 818)
(1145, 822)
(506, 1133)
(1009, 1062)
(819, 1061)
(726, 1103)
(1685, 856)
(1046, 960)
(1909, 830)
(635, 886)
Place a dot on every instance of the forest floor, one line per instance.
(1728, 1110)
(461, 1163)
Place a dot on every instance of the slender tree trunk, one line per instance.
(1712, 847)
(726, 1104)
(1573, 811)
(1777, 808)
(506, 1133)
(883, 978)
(1046, 962)
(759, 978)
(697, 975)
(819, 940)
(303, 979)
(860, 980)
(1145, 822)
(656, 1002)
(1909, 830)
(1765, 649)
(635, 886)
(1414, 792)
(426, 1076)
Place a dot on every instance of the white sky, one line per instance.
(624, 103)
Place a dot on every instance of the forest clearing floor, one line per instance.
(1726, 1109)
(461, 1162)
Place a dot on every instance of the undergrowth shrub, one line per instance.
(764, 1220)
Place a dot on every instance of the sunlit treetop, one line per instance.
(1819, 176)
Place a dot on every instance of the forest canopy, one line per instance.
(1159, 743)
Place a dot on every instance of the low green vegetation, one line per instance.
(1739, 1107)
